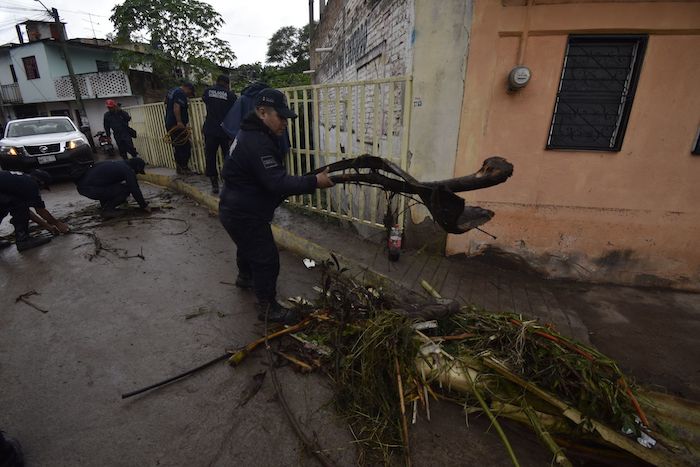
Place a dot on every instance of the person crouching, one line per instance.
(111, 183)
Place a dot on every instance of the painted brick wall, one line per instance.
(370, 39)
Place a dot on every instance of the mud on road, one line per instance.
(114, 324)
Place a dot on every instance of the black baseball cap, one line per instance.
(223, 79)
(43, 177)
(189, 85)
(273, 98)
(137, 165)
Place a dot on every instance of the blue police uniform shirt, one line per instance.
(218, 101)
(21, 187)
(179, 96)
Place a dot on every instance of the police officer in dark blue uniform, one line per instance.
(176, 120)
(111, 183)
(117, 121)
(218, 100)
(255, 183)
(244, 104)
(18, 193)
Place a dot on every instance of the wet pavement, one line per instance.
(116, 324)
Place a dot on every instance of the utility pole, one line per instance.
(69, 64)
(53, 12)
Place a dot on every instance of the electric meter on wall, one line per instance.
(519, 77)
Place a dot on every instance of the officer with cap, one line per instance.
(218, 100)
(117, 121)
(18, 193)
(111, 183)
(255, 183)
(176, 120)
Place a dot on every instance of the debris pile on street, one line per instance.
(388, 354)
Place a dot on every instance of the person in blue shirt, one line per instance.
(218, 101)
(255, 183)
(176, 121)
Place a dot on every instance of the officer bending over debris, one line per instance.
(255, 183)
(111, 183)
(18, 193)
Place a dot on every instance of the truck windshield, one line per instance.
(39, 127)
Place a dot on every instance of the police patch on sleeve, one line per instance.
(269, 162)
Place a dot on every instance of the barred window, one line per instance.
(30, 67)
(597, 87)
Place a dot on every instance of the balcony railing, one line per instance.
(10, 94)
(95, 85)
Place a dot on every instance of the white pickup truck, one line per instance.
(53, 144)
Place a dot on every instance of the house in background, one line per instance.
(34, 78)
(595, 103)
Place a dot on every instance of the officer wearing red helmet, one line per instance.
(117, 121)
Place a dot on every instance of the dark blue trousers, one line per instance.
(212, 143)
(109, 196)
(126, 145)
(256, 256)
(183, 152)
(18, 210)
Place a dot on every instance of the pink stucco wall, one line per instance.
(630, 216)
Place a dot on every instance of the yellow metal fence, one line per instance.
(344, 120)
(336, 121)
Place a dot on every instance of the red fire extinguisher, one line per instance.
(394, 243)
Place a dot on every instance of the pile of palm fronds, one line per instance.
(387, 360)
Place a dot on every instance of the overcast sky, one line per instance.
(248, 23)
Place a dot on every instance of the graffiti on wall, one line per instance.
(354, 48)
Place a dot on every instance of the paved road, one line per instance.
(117, 324)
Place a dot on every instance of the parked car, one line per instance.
(53, 144)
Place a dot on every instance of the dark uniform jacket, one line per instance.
(108, 173)
(176, 95)
(255, 180)
(19, 187)
(118, 122)
(218, 101)
(243, 106)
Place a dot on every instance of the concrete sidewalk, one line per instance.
(652, 333)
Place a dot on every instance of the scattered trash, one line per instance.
(203, 310)
(422, 326)
(309, 263)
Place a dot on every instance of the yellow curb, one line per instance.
(284, 238)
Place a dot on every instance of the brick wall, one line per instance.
(370, 39)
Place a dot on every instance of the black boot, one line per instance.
(10, 452)
(214, 185)
(25, 242)
(276, 313)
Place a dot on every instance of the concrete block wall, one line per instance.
(370, 39)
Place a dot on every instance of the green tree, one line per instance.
(178, 38)
(289, 48)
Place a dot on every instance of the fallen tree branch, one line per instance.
(446, 208)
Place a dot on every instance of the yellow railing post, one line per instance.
(319, 129)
